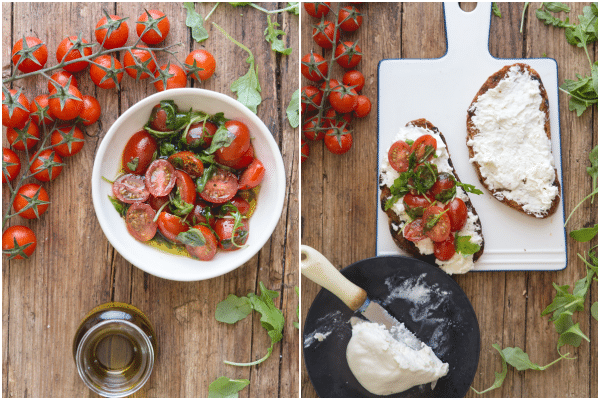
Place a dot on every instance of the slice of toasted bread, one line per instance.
(501, 193)
(394, 220)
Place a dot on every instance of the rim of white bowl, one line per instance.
(200, 273)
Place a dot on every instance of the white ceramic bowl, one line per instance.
(175, 267)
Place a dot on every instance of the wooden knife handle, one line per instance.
(318, 269)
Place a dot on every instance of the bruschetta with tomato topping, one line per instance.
(430, 214)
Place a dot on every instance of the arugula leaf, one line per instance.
(224, 387)
(296, 9)
(517, 358)
(593, 169)
(584, 234)
(500, 376)
(496, 10)
(233, 309)
(119, 206)
(556, 7)
(271, 35)
(271, 317)
(179, 206)
(293, 110)
(468, 187)
(549, 19)
(463, 245)
(195, 22)
(594, 310)
(247, 86)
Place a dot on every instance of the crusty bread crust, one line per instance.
(393, 218)
(491, 83)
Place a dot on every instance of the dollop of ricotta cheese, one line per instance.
(386, 363)
(511, 147)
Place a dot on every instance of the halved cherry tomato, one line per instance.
(419, 147)
(253, 175)
(46, 166)
(224, 230)
(25, 194)
(241, 162)
(416, 200)
(130, 188)
(240, 143)
(207, 251)
(444, 250)
(157, 202)
(201, 214)
(140, 221)
(187, 161)
(398, 156)
(414, 231)
(242, 205)
(201, 134)
(186, 186)
(458, 213)
(221, 187)
(160, 178)
(138, 152)
(442, 185)
(11, 164)
(171, 225)
(441, 223)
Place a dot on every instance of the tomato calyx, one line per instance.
(17, 251)
(314, 66)
(110, 25)
(48, 164)
(349, 49)
(111, 73)
(34, 202)
(23, 137)
(163, 75)
(68, 138)
(63, 94)
(26, 53)
(151, 24)
(12, 101)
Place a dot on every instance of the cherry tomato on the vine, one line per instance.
(119, 31)
(311, 98)
(304, 150)
(11, 164)
(34, 53)
(349, 19)
(348, 54)
(323, 34)
(158, 23)
(68, 109)
(176, 79)
(27, 137)
(338, 140)
(31, 201)
(71, 138)
(145, 62)
(317, 10)
(61, 78)
(354, 78)
(18, 242)
(15, 109)
(311, 131)
(343, 99)
(39, 109)
(314, 67)
(65, 52)
(106, 72)
(46, 166)
(91, 110)
(363, 106)
(200, 64)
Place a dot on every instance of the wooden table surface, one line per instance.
(74, 268)
(339, 195)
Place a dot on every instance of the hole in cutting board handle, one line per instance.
(467, 7)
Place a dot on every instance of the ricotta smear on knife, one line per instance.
(387, 362)
(511, 147)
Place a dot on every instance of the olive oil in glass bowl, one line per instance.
(114, 349)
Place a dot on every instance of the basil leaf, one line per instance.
(222, 138)
(195, 21)
(192, 237)
(413, 212)
(133, 164)
(425, 177)
(584, 234)
(201, 181)
(224, 387)
(464, 246)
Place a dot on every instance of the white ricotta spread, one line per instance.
(458, 263)
(511, 147)
(387, 362)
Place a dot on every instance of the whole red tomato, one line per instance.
(323, 34)
(175, 77)
(311, 98)
(27, 137)
(343, 99)
(348, 54)
(70, 139)
(317, 10)
(145, 62)
(40, 111)
(68, 109)
(31, 201)
(117, 30)
(61, 78)
(12, 163)
(338, 140)
(314, 67)
(18, 242)
(240, 143)
(106, 72)
(70, 49)
(155, 23)
(200, 64)
(30, 55)
(363, 106)
(91, 110)
(354, 78)
(349, 19)
(15, 108)
(46, 166)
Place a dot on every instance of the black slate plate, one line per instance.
(427, 300)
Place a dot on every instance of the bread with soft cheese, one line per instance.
(424, 250)
(508, 136)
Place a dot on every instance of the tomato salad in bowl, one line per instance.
(188, 179)
(172, 185)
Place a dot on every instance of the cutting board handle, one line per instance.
(318, 269)
(467, 33)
